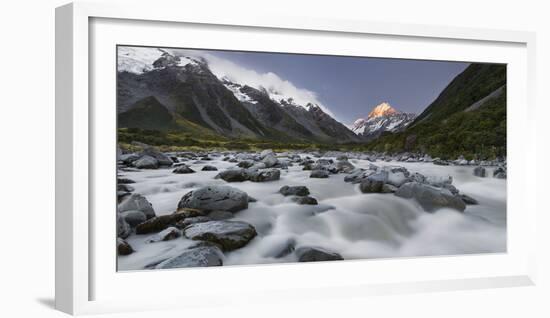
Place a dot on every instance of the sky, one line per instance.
(348, 86)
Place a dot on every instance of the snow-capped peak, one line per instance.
(382, 109)
(139, 60)
(382, 118)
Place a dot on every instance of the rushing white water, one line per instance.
(346, 221)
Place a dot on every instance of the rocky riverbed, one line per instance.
(191, 209)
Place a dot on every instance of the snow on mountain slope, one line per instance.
(139, 60)
(382, 118)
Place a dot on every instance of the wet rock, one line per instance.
(137, 202)
(388, 188)
(192, 220)
(220, 215)
(230, 235)
(165, 235)
(429, 197)
(344, 166)
(125, 181)
(316, 254)
(163, 222)
(128, 158)
(319, 174)
(440, 162)
(124, 188)
(146, 162)
(212, 198)
(270, 160)
(134, 217)
(265, 175)
(305, 200)
(282, 249)
(468, 199)
(371, 186)
(199, 256)
(396, 179)
(480, 172)
(209, 168)
(357, 175)
(233, 175)
(499, 173)
(246, 163)
(183, 169)
(162, 159)
(295, 190)
(123, 248)
(123, 229)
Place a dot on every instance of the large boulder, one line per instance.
(209, 168)
(270, 160)
(137, 202)
(371, 186)
(134, 217)
(295, 190)
(264, 175)
(316, 254)
(212, 198)
(199, 256)
(429, 197)
(230, 235)
(344, 166)
(233, 175)
(162, 159)
(146, 162)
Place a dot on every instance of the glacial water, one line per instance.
(346, 221)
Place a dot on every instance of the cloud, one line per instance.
(277, 87)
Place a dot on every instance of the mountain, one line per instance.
(178, 92)
(382, 118)
(467, 118)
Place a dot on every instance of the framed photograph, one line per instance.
(252, 158)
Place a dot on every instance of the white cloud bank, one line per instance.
(277, 87)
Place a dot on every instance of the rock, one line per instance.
(282, 249)
(124, 188)
(246, 163)
(357, 175)
(230, 235)
(480, 172)
(212, 198)
(183, 169)
(371, 186)
(429, 197)
(440, 162)
(220, 215)
(125, 181)
(134, 217)
(265, 175)
(128, 158)
(468, 199)
(295, 190)
(162, 159)
(305, 200)
(344, 166)
(162, 222)
(199, 256)
(266, 153)
(192, 220)
(233, 175)
(137, 202)
(316, 254)
(319, 174)
(388, 188)
(499, 172)
(270, 160)
(123, 229)
(396, 178)
(209, 168)
(165, 235)
(146, 162)
(123, 248)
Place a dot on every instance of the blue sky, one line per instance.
(351, 86)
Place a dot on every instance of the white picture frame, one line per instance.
(79, 266)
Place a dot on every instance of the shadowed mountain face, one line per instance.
(173, 91)
(467, 118)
